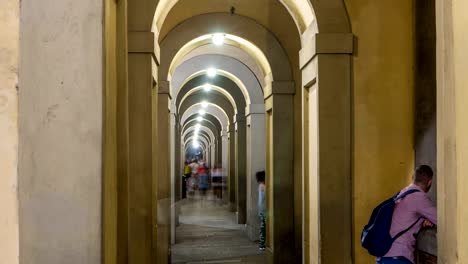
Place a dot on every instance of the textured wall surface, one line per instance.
(452, 128)
(383, 105)
(60, 117)
(9, 37)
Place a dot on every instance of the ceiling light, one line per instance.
(199, 119)
(218, 39)
(195, 144)
(202, 112)
(204, 104)
(197, 126)
(207, 87)
(211, 72)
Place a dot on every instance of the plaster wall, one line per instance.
(383, 80)
(425, 88)
(452, 128)
(60, 117)
(9, 50)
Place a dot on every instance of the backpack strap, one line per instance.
(403, 195)
(399, 197)
(406, 230)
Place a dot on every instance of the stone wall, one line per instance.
(60, 117)
(9, 38)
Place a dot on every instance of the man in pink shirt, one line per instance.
(416, 207)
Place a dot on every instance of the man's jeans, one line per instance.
(262, 230)
(393, 261)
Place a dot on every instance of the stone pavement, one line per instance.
(208, 234)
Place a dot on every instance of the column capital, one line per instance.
(254, 109)
(143, 42)
(280, 87)
(230, 128)
(324, 43)
(238, 118)
(164, 87)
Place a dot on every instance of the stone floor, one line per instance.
(208, 234)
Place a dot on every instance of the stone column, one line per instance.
(219, 150)
(326, 78)
(213, 153)
(241, 180)
(280, 177)
(140, 181)
(162, 152)
(176, 173)
(255, 162)
(225, 164)
(232, 169)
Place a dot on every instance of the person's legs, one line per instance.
(262, 231)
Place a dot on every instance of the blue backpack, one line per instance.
(376, 236)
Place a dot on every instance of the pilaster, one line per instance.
(161, 151)
(255, 141)
(141, 189)
(280, 180)
(232, 168)
(241, 180)
(326, 82)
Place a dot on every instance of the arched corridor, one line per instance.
(133, 131)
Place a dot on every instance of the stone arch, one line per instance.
(213, 99)
(204, 123)
(243, 28)
(200, 133)
(246, 94)
(200, 138)
(203, 144)
(232, 68)
(214, 112)
(202, 128)
(198, 89)
(208, 117)
(301, 11)
(232, 53)
(225, 83)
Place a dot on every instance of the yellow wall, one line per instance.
(461, 95)
(382, 105)
(9, 37)
(452, 131)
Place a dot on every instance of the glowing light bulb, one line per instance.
(207, 87)
(197, 126)
(204, 104)
(211, 72)
(202, 112)
(199, 119)
(218, 39)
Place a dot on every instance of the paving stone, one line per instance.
(208, 233)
